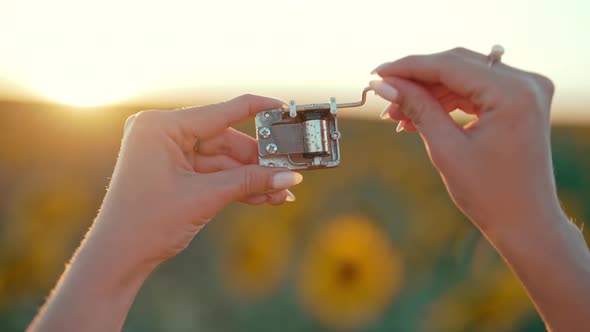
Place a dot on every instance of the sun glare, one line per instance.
(101, 52)
(86, 95)
(77, 81)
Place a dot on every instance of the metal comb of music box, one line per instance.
(301, 137)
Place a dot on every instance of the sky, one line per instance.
(113, 51)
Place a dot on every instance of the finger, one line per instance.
(392, 112)
(255, 199)
(448, 99)
(205, 121)
(464, 72)
(453, 102)
(410, 127)
(277, 198)
(210, 164)
(395, 112)
(435, 125)
(242, 182)
(233, 143)
(406, 125)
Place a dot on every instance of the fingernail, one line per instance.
(284, 180)
(290, 196)
(384, 90)
(400, 126)
(385, 114)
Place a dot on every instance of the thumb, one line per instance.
(434, 124)
(239, 183)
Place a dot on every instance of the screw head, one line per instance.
(264, 132)
(266, 115)
(272, 148)
(271, 165)
(336, 135)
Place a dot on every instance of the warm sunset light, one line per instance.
(91, 53)
(82, 88)
(132, 197)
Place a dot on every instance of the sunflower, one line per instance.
(349, 274)
(254, 257)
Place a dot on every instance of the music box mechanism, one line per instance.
(301, 137)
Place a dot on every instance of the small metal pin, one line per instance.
(292, 109)
(333, 106)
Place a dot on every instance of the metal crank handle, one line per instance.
(332, 105)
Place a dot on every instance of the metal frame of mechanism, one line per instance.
(301, 137)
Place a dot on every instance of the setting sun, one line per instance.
(82, 89)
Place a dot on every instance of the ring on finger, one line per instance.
(495, 55)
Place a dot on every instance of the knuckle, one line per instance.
(449, 57)
(251, 180)
(130, 118)
(525, 87)
(411, 60)
(277, 198)
(530, 89)
(458, 51)
(413, 109)
(129, 121)
(414, 113)
(546, 84)
(247, 97)
(147, 118)
(154, 120)
(523, 83)
(532, 92)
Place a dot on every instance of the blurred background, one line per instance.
(373, 245)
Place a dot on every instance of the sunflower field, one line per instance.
(373, 245)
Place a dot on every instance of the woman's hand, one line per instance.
(175, 171)
(498, 168)
(498, 165)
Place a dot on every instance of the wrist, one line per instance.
(544, 236)
(523, 220)
(108, 271)
(113, 247)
